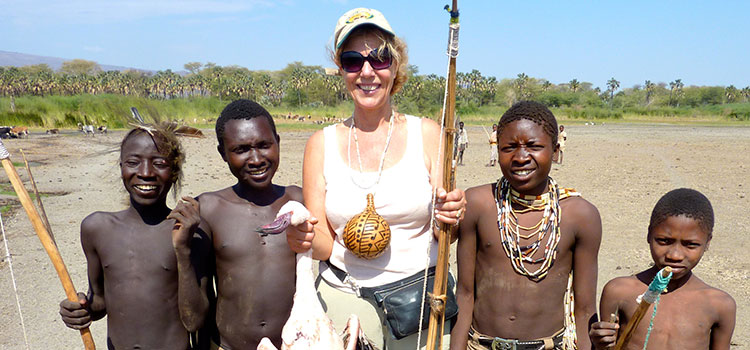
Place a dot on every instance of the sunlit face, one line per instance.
(251, 150)
(525, 156)
(370, 89)
(146, 173)
(678, 242)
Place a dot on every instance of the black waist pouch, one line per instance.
(402, 300)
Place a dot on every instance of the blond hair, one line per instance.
(396, 47)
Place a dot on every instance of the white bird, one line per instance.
(308, 326)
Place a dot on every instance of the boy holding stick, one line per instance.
(132, 268)
(690, 314)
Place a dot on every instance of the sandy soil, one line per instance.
(622, 169)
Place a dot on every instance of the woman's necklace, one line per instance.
(367, 234)
(353, 128)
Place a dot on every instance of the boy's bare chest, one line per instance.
(136, 251)
(679, 323)
(235, 239)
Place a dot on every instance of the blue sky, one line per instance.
(700, 42)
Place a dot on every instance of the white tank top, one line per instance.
(403, 197)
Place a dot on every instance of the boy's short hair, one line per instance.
(687, 202)
(241, 109)
(533, 111)
(167, 144)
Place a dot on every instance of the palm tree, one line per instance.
(675, 90)
(746, 93)
(731, 93)
(574, 85)
(649, 87)
(546, 85)
(301, 77)
(613, 85)
(521, 83)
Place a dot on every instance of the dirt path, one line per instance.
(622, 169)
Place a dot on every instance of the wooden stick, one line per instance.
(38, 197)
(437, 315)
(486, 132)
(637, 317)
(44, 236)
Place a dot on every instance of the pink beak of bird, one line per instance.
(291, 214)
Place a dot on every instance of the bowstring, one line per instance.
(13, 279)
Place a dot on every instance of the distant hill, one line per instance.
(15, 59)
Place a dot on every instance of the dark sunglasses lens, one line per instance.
(379, 63)
(352, 61)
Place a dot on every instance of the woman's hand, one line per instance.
(450, 207)
(300, 237)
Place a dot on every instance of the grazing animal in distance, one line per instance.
(5, 132)
(19, 131)
(53, 131)
(188, 131)
(86, 129)
(102, 129)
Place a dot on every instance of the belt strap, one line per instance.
(498, 343)
(344, 277)
(369, 292)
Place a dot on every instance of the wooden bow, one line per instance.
(437, 313)
(44, 237)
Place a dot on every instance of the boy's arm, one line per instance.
(585, 268)
(91, 307)
(603, 334)
(721, 333)
(194, 263)
(466, 255)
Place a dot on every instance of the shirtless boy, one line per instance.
(493, 146)
(690, 314)
(519, 302)
(255, 275)
(132, 268)
(562, 139)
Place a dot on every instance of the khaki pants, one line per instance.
(340, 305)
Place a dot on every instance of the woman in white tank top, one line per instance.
(375, 151)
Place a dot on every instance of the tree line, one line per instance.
(299, 85)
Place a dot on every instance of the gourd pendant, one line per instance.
(367, 234)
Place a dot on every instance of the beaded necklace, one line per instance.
(510, 231)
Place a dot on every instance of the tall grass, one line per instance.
(114, 111)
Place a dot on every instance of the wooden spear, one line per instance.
(44, 236)
(654, 289)
(437, 313)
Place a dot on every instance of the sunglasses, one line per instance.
(352, 61)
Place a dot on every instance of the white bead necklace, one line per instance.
(359, 157)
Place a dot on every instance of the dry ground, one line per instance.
(622, 169)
